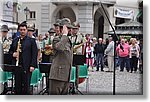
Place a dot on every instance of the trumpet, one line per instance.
(18, 51)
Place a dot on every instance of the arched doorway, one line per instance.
(64, 12)
(98, 24)
(100, 27)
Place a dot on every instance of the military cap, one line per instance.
(31, 27)
(75, 25)
(4, 28)
(51, 30)
(67, 22)
(57, 23)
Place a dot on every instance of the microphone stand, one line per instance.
(115, 38)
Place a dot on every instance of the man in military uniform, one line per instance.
(4, 49)
(77, 39)
(62, 62)
(4, 40)
(47, 46)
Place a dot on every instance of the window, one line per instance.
(32, 14)
(119, 20)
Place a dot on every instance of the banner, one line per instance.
(124, 13)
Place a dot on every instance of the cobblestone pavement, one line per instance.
(101, 83)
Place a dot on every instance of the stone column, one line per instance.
(111, 16)
(85, 18)
(45, 18)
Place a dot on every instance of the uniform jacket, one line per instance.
(63, 56)
(6, 44)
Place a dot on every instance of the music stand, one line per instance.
(9, 68)
(45, 68)
(46, 58)
(8, 58)
(78, 60)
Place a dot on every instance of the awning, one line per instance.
(130, 24)
(126, 32)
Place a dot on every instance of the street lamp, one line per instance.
(26, 11)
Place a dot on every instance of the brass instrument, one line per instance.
(76, 47)
(48, 47)
(48, 50)
(18, 51)
(5, 46)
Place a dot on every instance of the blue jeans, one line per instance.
(100, 58)
(124, 62)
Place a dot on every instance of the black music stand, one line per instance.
(45, 68)
(10, 68)
(46, 58)
(8, 58)
(78, 60)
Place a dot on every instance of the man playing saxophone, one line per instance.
(27, 60)
(77, 39)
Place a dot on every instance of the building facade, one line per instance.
(6, 10)
(88, 13)
(6, 16)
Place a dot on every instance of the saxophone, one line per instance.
(76, 47)
(18, 51)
